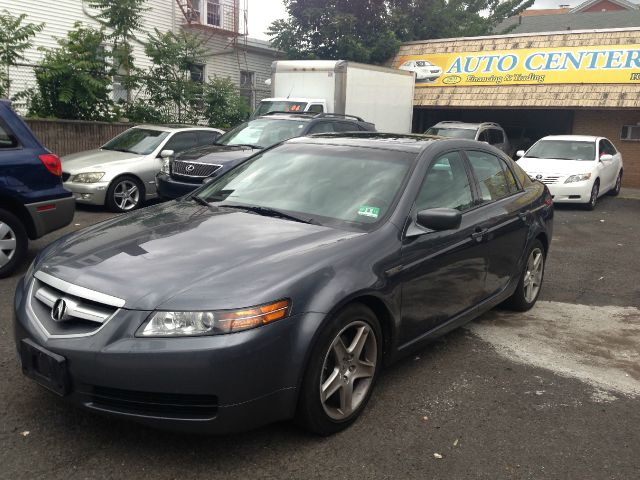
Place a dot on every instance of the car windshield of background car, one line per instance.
(140, 141)
(563, 150)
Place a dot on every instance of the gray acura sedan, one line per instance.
(280, 289)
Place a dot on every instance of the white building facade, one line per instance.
(221, 23)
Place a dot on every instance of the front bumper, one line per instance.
(170, 188)
(51, 215)
(577, 192)
(216, 384)
(88, 193)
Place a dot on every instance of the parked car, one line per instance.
(121, 174)
(279, 289)
(32, 199)
(487, 132)
(425, 70)
(187, 171)
(576, 168)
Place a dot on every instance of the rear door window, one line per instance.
(182, 141)
(483, 136)
(490, 174)
(7, 138)
(346, 127)
(495, 137)
(323, 127)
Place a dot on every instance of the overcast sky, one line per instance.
(263, 12)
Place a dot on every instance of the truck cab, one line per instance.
(292, 105)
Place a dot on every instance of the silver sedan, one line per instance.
(121, 174)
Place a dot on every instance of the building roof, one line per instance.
(534, 12)
(589, 3)
(570, 21)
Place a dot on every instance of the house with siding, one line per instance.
(222, 24)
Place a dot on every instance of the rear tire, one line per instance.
(530, 284)
(616, 189)
(342, 371)
(13, 243)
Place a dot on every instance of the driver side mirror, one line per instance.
(439, 219)
(520, 153)
(167, 153)
(606, 157)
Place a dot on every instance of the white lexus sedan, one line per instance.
(576, 168)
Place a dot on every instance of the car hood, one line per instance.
(217, 154)
(549, 166)
(183, 255)
(95, 159)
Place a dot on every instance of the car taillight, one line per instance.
(52, 162)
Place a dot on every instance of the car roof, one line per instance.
(572, 138)
(466, 125)
(176, 128)
(412, 143)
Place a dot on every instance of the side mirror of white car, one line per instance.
(606, 157)
(167, 153)
(520, 153)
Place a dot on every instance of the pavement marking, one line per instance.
(597, 345)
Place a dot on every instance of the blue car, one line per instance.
(33, 201)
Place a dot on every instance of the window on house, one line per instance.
(194, 13)
(247, 89)
(213, 13)
(630, 132)
(197, 73)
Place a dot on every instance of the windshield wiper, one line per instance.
(270, 212)
(249, 145)
(117, 149)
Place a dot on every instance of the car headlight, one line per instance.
(190, 324)
(90, 177)
(166, 166)
(578, 178)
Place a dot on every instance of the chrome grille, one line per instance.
(194, 169)
(550, 180)
(66, 310)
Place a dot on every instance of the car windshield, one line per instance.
(424, 63)
(279, 106)
(449, 132)
(343, 187)
(141, 141)
(263, 132)
(563, 150)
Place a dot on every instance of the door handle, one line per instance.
(524, 216)
(478, 234)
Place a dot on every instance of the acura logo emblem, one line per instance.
(59, 310)
(191, 168)
(538, 177)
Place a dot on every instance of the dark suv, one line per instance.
(32, 199)
(188, 170)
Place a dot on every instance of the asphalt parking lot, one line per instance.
(553, 393)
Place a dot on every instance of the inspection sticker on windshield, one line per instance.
(366, 211)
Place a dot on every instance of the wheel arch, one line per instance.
(13, 206)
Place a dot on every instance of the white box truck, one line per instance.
(383, 96)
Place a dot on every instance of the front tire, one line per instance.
(595, 192)
(342, 371)
(13, 243)
(125, 194)
(530, 284)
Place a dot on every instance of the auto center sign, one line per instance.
(575, 65)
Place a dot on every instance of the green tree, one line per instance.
(74, 81)
(169, 84)
(371, 30)
(124, 19)
(223, 105)
(15, 38)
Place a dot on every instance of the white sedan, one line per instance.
(576, 168)
(424, 69)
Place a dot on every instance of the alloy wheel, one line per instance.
(533, 275)
(594, 195)
(348, 370)
(8, 244)
(126, 195)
